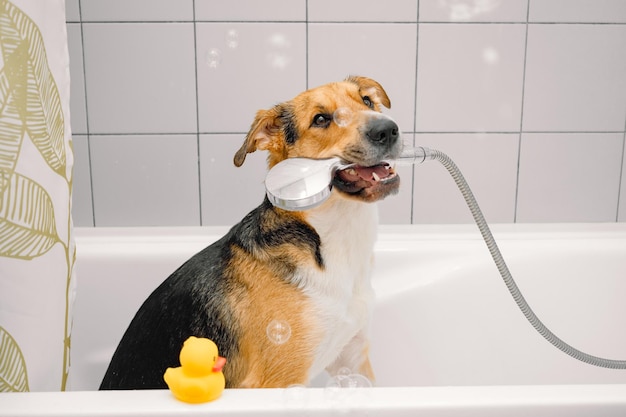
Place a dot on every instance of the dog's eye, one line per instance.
(321, 120)
(368, 101)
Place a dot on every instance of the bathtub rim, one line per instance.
(386, 232)
(503, 400)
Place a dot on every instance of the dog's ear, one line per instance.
(371, 88)
(263, 134)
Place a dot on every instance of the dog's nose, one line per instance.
(383, 132)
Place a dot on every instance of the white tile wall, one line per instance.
(82, 203)
(244, 67)
(470, 77)
(362, 11)
(136, 10)
(569, 177)
(579, 11)
(473, 11)
(575, 78)
(145, 180)
(527, 96)
(140, 77)
(78, 108)
(72, 10)
(251, 10)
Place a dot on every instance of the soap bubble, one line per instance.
(277, 60)
(232, 38)
(333, 391)
(296, 395)
(278, 331)
(344, 371)
(341, 386)
(279, 40)
(349, 381)
(341, 391)
(278, 56)
(357, 381)
(342, 116)
(213, 57)
(491, 55)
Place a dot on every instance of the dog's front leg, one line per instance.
(355, 357)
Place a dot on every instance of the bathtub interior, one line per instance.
(443, 317)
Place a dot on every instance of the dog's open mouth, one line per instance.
(370, 183)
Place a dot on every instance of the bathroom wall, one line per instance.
(527, 96)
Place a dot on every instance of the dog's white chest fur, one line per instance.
(342, 292)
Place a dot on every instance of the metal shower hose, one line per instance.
(506, 274)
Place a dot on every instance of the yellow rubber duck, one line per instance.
(199, 378)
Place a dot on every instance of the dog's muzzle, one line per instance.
(371, 178)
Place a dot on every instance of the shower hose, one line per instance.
(506, 274)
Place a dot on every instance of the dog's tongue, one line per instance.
(357, 173)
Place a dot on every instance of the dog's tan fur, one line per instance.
(272, 299)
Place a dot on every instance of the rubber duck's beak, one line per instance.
(219, 364)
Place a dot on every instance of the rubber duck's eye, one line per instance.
(368, 101)
(321, 120)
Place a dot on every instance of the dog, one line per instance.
(309, 271)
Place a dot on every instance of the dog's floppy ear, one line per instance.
(371, 88)
(263, 134)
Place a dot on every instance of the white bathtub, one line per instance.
(448, 340)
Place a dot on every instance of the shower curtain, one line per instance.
(37, 250)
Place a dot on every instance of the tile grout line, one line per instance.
(521, 122)
(415, 91)
(408, 132)
(343, 22)
(306, 40)
(89, 159)
(195, 60)
(621, 174)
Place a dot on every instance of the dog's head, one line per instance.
(342, 120)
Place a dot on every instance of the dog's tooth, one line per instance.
(375, 176)
(351, 171)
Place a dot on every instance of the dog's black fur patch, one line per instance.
(288, 119)
(192, 301)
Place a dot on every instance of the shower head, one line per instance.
(298, 184)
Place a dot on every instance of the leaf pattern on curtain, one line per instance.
(27, 226)
(11, 126)
(37, 95)
(30, 109)
(13, 376)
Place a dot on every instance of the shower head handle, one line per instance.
(297, 184)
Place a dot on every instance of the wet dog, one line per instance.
(284, 294)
